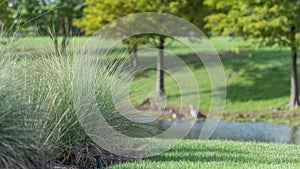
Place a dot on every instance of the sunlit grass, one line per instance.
(222, 154)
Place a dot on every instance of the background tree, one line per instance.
(51, 17)
(270, 22)
(100, 12)
(175, 7)
(4, 13)
(97, 13)
(194, 11)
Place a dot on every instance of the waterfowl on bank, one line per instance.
(196, 113)
(175, 115)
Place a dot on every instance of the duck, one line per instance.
(175, 115)
(196, 113)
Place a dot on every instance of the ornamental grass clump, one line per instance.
(20, 145)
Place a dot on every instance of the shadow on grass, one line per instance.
(265, 75)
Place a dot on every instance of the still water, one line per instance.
(262, 132)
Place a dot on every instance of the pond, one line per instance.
(242, 131)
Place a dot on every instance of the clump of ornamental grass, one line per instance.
(39, 127)
(49, 84)
(19, 142)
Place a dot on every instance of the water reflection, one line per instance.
(262, 132)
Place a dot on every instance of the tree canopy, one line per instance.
(270, 22)
(4, 14)
(46, 16)
(100, 12)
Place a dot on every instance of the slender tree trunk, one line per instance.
(294, 97)
(160, 87)
(65, 35)
(134, 59)
(56, 47)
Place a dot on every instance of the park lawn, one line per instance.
(221, 154)
(257, 79)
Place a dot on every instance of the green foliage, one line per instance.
(4, 13)
(194, 11)
(44, 14)
(269, 21)
(100, 12)
(53, 18)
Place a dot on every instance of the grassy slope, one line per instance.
(222, 154)
(255, 82)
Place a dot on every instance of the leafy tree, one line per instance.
(270, 22)
(194, 11)
(4, 13)
(169, 6)
(52, 17)
(99, 12)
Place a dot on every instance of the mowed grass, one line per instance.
(221, 154)
(257, 79)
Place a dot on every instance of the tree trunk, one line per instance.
(294, 97)
(160, 87)
(65, 35)
(56, 47)
(134, 60)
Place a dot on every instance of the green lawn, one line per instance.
(257, 79)
(221, 154)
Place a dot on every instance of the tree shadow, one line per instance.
(258, 75)
(265, 75)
